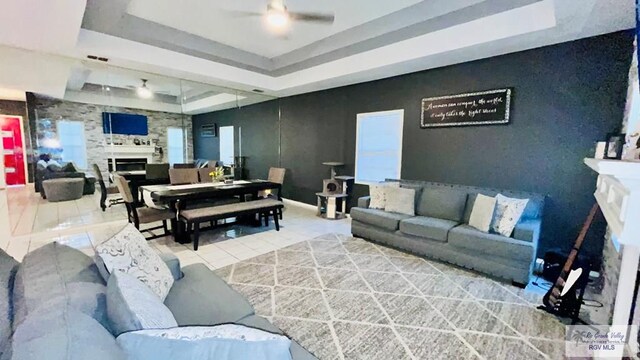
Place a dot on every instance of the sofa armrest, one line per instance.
(173, 263)
(364, 201)
(528, 230)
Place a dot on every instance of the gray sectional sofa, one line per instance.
(53, 306)
(440, 230)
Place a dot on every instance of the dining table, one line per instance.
(180, 197)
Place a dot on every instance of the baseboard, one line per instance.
(305, 205)
(299, 203)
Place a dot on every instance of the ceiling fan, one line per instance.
(144, 91)
(278, 15)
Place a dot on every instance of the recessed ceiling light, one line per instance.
(257, 91)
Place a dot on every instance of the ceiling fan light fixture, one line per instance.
(277, 18)
(143, 91)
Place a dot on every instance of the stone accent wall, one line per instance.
(611, 260)
(49, 111)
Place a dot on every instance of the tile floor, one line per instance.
(28, 222)
(29, 214)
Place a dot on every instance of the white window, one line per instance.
(378, 146)
(71, 137)
(226, 145)
(175, 145)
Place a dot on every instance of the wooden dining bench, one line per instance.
(193, 218)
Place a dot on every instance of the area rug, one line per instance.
(346, 298)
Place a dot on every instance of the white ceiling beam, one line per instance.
(526, 19)
(134, 55)
(211, 102)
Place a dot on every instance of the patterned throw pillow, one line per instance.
(482, 212)
(132, 306)
(221, 342)
(128, 252)
(508, 213)
(378, 194)
(400, 200)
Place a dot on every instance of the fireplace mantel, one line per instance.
(131, 150)
(618, 194)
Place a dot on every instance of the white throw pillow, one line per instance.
(221, 342)
(482, 212)
(508, 213)
(128, 252)
(400, 200)
(378, 194)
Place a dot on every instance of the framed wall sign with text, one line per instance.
(478, 108)
(209, 130)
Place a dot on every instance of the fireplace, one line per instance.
(126, 164)
(617, 193)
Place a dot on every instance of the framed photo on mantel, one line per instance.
(487, 107)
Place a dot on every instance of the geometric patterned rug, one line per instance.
(345, 298)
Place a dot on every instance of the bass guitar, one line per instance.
(562, 298)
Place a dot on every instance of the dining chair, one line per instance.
(184, 166)
(157, 171)
(183, 176)
(106, 190)
(142, 215)
(203, 174)
(276, 175)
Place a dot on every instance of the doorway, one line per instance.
(13, 154)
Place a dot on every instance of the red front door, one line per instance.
(12, 150)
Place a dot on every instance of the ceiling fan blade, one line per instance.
(241, 14)
(312, 17)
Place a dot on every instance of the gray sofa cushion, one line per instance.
(427, 227)
(527, 230)
(258, 322)
(131, 306)
(467, 237)
(63, 334)
(8, 268)
(363, 202)
(380, 218)
(44, 274)
(442, 203)
(173, 263)
(202, 298)
(505, 268)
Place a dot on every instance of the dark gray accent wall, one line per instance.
(566, 97)
(260, 136)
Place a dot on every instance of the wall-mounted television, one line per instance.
(124, 124)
